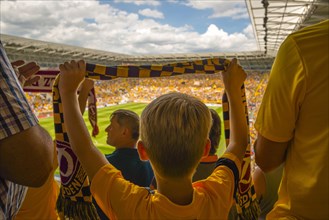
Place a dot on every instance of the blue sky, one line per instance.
(179, 14)
(133, 26)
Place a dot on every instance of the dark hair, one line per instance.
(128, 118)
(215, 132)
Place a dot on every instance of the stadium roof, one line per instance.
(273, 20)
(49, 55)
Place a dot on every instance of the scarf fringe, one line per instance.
(251, 212)
(69, 209)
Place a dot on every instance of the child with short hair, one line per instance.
(174, 137)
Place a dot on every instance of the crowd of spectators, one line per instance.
(255, 87)
(208, 88)
(41, 103)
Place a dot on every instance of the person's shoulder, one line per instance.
(127, 154)
(228, 161)
(227, 156)
(313, 31)
(111, 157)
(147, 164)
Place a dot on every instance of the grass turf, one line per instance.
(103, 115)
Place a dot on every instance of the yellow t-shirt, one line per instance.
(120, 199)
(295, 107)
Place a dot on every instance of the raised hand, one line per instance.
(25, 72)
(234, 76)
(72, 74)
(86, 85)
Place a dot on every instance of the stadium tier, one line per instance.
(50, 55)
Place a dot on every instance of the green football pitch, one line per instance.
(103, 115)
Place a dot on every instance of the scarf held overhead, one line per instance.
(75, 190)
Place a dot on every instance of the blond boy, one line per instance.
(174, 137)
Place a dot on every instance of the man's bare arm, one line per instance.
(26, 158)
(259, 182)
(269, 154)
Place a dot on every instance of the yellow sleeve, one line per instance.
(115, 195)
(232, 165)
(283, 96)
(220, 184)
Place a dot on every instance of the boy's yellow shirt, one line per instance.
(120, 199)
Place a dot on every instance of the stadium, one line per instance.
(272, 21)
(283, 17)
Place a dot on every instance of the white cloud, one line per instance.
(140, 2)
(218, 38)
(147, 12)
(221, 8)
(249, 31)
(112, 29)
(173, 1)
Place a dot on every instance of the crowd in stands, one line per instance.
(208, 88)
(41, 103)
(255, 88)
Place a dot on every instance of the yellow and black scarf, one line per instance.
(245, 198)
(75, 198)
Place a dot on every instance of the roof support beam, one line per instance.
(22, 48)
(38, 50)
(67, 52)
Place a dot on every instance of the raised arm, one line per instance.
(72, 74)
(233, 79)
(25, 72)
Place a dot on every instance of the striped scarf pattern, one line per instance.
(74, 200)
(245, 198)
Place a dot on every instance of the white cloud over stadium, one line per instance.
(106, 26)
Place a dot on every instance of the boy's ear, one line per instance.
(125, 131)
(206, 148)
(141, 151)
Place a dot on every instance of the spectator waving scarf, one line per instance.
(75, 198)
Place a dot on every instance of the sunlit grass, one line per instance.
(103, 115)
